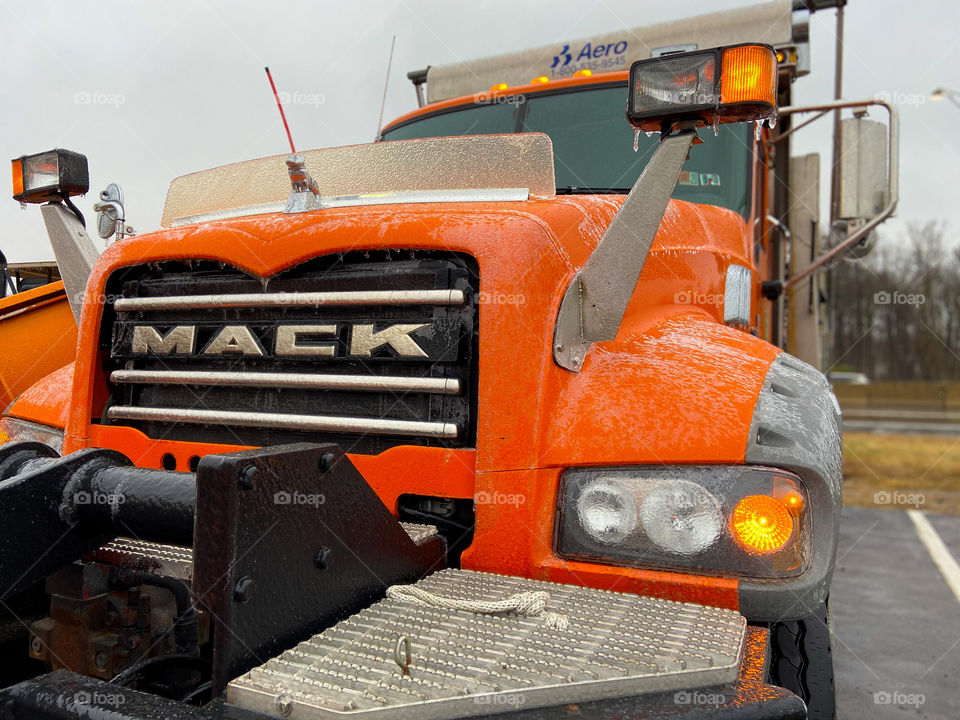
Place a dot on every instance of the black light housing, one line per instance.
(50, 176)
(728, 84)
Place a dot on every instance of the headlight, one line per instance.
(718, 520)
(17, 430)
(682, 517)
(607, 512)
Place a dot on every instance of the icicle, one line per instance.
(636, 139)
(716, 124)
(772, 121)
(757, 128)
(649, 133)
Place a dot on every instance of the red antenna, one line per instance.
(282, 116)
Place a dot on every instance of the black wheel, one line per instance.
(801, 661)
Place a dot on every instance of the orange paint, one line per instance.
(37, 336)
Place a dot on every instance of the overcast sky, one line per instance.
(150, 91)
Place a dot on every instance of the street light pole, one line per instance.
(941, 93)
(837, 95)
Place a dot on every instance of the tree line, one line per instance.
(895, 313)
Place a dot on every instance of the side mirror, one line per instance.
(863, 168)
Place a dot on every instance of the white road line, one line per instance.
(938, 551)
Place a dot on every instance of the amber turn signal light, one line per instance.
(761, 524)
(748, 74)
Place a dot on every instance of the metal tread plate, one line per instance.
(615, 645)
(418, 532)
(177, 561)
(170, 560)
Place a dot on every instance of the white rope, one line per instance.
(528, 604)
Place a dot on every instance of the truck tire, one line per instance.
(801, 661)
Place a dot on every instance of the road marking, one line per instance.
(938, 551)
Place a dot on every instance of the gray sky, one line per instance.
(150, 91)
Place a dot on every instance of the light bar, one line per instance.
(50, 175)
(722, 85)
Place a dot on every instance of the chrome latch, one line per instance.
(111, 216)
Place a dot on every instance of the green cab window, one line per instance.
(593, 144)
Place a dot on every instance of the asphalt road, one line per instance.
(902, 420)
(895, 618)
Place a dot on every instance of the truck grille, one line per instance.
(369, 350)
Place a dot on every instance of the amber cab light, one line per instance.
(706, 87)
(49, 176)
(748, 74)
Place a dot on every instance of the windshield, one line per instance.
(593, 143)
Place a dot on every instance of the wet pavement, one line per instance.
(895, 619)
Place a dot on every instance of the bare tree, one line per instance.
(897, 311)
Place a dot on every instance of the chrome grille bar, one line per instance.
(372, 383)
(293, 299)
(319, 423)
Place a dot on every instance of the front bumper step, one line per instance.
(462, 663)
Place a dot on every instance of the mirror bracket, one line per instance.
(598, 295)
(893, 178)
(111, 216)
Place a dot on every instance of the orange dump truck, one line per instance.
(486, 417)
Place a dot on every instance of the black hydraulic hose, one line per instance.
(185, 624)
(75, 210)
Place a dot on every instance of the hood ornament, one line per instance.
(304, 193)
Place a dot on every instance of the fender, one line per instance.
(38, 334)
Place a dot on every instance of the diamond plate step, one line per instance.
(419, 533)
(169, 560)
(616, 645)
(177, 561)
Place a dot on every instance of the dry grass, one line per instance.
(902, 471)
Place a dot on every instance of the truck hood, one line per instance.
(527, 254)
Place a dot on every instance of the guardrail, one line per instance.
(940, 397)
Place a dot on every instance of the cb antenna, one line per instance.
(280, 107)
(386, 84)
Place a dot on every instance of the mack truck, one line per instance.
(491, 416)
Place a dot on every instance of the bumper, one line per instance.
(63, 695)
